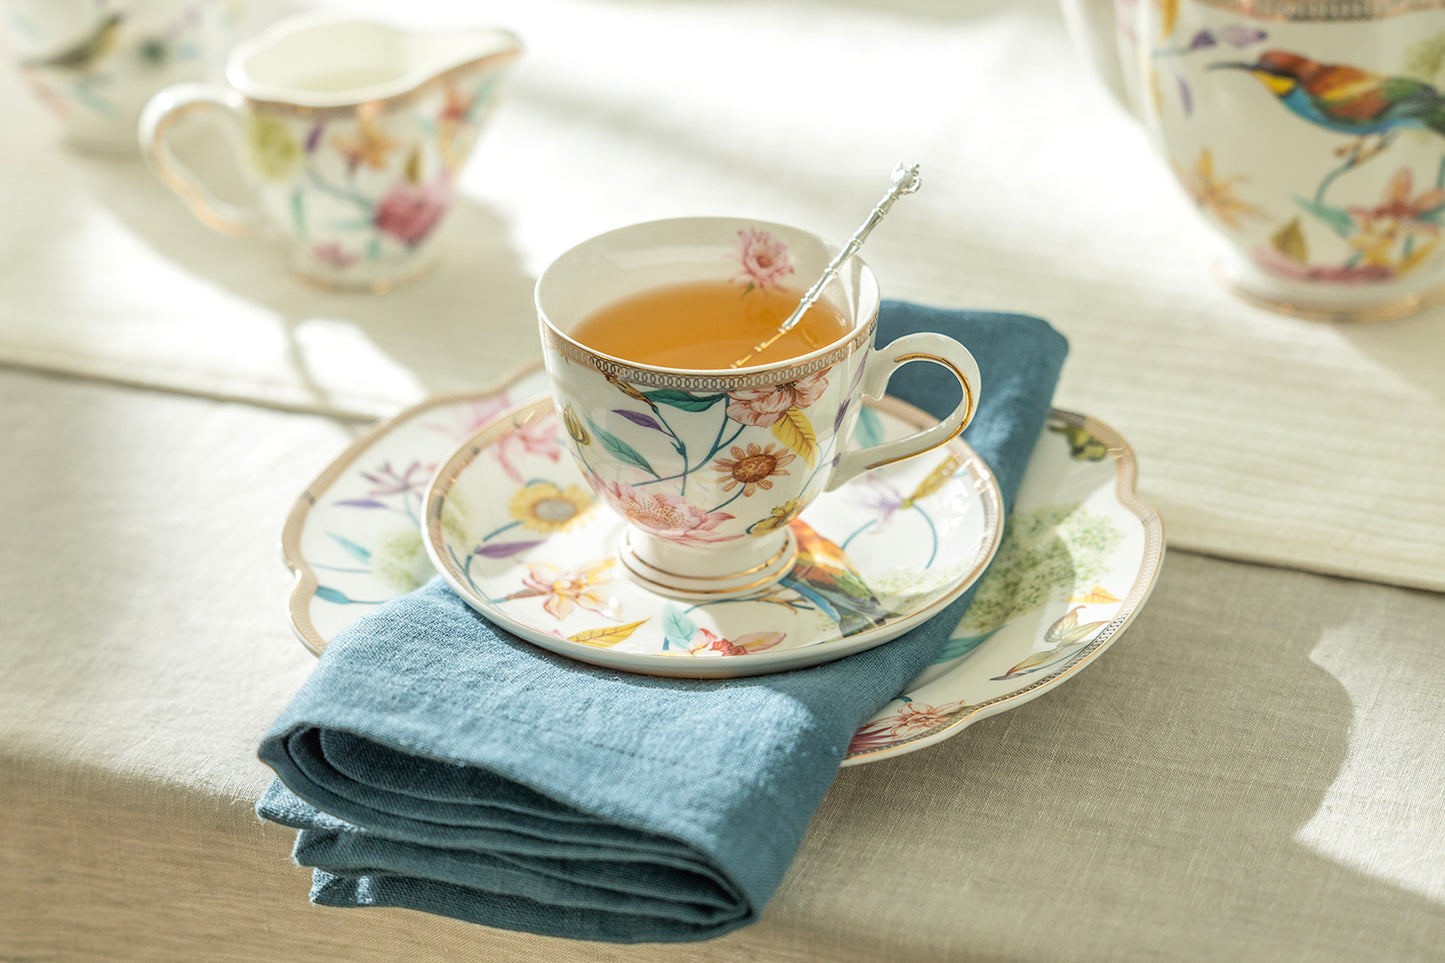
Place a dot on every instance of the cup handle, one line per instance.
(880, 366)
(155, 120)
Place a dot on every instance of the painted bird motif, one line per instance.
(823, 575)
(1066, 631)
(1346, 99)
(85, 54)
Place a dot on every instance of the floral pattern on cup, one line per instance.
(763, 259)
(738, 463)
(751, 439)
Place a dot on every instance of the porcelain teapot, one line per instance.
(1310, 133)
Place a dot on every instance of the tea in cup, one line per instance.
(709, 463)
(352, 135)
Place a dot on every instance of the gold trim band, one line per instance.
(711, 578)
(1322, 11)
(731, 590)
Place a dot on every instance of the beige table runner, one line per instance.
(1260, 437)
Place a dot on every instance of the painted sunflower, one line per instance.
(543, 507)
(752, 468)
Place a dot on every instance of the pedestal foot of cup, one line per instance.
(1343, 303)
(707, 572)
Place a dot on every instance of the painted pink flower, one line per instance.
(874, 735)
(567, 590)
(764, 259)
(1402, 204)
(464, 422)
(742, 645)
(410, 212)
(334, 255)
(914, 718)
(663, 514)
(1276, 263)
(910, 720)
(765, 407)
(536, 439)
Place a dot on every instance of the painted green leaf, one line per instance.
(677, 628)
(681, 399)
(298, 212)
(351, 547)
(1338, 219)
(1434, 215)
(959, 647)
(620, 448)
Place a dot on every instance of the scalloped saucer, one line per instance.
(512, 526)
(1076, 566)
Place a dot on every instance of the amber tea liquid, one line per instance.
(708, 325)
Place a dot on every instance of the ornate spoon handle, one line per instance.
(905, 181)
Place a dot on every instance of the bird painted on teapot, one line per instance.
(1310, 134)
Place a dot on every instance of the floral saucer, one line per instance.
(511, 524)
(1080, 544)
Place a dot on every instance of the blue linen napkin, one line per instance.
(435, 762)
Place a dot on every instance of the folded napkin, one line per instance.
(433, 761)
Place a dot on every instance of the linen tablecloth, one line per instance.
(1249, 773)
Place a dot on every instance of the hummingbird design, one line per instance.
(82, 56)
(1346, 99)
(823, 575)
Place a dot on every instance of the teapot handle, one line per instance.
(1094, 29)
(155, 120)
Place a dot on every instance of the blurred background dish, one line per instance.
(94, 63)
(352, 134)
(1310, 133)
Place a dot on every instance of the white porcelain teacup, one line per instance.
(94, 63)
(351, 134)
(1311, 134)
(710, 466)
